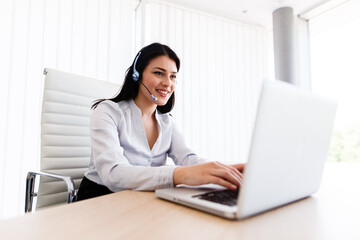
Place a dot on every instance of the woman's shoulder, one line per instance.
(108, 110)
(111, 108)
(111, 105)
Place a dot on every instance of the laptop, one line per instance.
(288, 150)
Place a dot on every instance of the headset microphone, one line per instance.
(153, 97)
(136, 76)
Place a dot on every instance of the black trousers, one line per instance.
(89, 189)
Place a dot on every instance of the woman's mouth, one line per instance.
(163, 93)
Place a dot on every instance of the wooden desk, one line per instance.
(332, 213)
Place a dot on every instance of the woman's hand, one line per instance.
(229, 176)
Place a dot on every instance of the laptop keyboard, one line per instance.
(226, 197)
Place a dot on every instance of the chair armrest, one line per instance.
(30, 184)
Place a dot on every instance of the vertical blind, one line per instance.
(223, 63)
(87, 37)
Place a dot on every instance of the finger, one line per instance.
(240, 166)
(233, 169)
(222, 182)
(238, 174)
(227, 175)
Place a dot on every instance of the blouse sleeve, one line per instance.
(113, 168)
(179, 152)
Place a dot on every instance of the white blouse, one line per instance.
(120, 154)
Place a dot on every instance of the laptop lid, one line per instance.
(289, 147)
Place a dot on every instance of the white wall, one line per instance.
(87, 37)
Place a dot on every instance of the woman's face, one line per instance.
(159, 76)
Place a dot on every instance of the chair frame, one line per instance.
(30, 187)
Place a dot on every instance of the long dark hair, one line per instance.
(130, 88)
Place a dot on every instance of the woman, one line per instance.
(133, 133)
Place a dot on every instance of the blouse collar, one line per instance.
(137, 110)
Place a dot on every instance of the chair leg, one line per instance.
(29, 192)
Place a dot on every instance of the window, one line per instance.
(335, 53)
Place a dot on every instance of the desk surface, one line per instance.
(332, 213)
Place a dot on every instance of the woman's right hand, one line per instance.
(229, 176)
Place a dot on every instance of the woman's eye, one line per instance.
(173, 77)
(158, 73)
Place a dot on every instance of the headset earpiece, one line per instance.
(136, 74)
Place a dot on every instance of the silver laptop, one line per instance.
(288, 151)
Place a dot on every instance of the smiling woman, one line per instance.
(133, 133)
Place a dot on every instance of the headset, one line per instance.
(136, 76)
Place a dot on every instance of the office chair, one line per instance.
(65, 136)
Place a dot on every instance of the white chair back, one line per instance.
(65, 131)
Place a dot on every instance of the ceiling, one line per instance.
(257, 12)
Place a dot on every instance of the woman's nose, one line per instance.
(166, 81)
